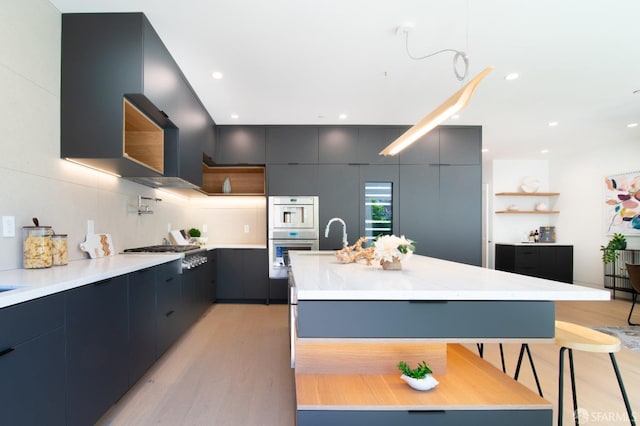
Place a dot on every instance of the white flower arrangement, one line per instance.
(390, 247)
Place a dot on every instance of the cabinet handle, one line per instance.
(426, 412)
(164, 113)
(433, 302)
(168, 280)
(6, 351)
(108, 280)
(168, 314)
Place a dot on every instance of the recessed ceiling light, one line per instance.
(512, 76)
(342, 116)
(632, 125)
(455, 116)
(235, 116)
(217, 75)
(484, 150)
(545, 151)
(553, 123)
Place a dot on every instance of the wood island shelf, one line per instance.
(463, 387)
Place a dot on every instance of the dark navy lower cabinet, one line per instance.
(32, 365)
(97, 348)
(169, 306)
(425, 417)
(142, 322)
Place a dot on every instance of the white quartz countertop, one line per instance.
(526, 243)
(214, 246)
(319, 276)
(28, 284)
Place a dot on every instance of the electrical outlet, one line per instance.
(168, 227)
(8, 226)
(246, 229)
(204, 228)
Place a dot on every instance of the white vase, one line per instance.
(426, 383)
(226, 186)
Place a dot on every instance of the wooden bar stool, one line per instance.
(572, 336)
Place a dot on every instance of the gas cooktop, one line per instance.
(163, 249)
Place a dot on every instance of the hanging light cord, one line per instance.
(458, 55)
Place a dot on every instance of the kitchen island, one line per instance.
(351, 324)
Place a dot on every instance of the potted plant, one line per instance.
(419, 378)
(609, 252)
(390, 250)
(195, 235)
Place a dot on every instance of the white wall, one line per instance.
(36, 182)
(580, 180)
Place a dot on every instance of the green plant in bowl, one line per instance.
(194, 233)
(420, 372)
(610, 251)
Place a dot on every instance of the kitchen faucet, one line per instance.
(344, 230)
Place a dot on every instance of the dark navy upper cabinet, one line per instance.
(460, 145)
(241, 145)
(373, 139)
(107, 57)
(425, 150)
(292, 145)
(338, 145)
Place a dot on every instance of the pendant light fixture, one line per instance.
(451, 106)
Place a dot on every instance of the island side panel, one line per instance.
(426, 319)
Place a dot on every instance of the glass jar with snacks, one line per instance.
(36, 247)
(59, 249)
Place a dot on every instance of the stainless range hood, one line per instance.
(164, 182)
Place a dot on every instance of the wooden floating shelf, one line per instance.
(527, 194)
(245, 180)
(527, 212)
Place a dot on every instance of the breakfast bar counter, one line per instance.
(352, 323)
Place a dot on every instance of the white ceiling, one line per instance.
(307, 61)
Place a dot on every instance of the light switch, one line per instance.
(204, 227)
(246, 229)
(8, 226)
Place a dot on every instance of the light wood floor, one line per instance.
(232, 368)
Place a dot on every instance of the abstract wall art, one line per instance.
(622, 203)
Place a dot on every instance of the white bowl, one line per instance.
(421, 384)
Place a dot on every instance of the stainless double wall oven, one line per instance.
(293, 225)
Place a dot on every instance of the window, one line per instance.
(378, 207)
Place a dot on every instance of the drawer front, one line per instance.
(420, 418)
(33, 382)
(526, 258)
(27, 320)
(426, 319)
